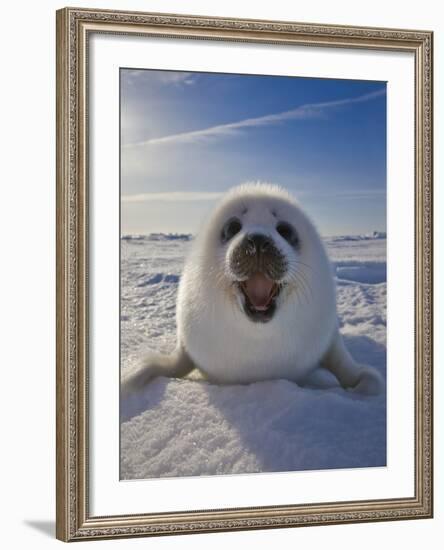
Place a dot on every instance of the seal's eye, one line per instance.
(288, 232)
(230, 229)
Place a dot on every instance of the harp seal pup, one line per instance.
(256, 300)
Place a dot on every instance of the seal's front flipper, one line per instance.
(351, 375)
(176, 365)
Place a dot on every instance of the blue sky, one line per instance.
(188, 137)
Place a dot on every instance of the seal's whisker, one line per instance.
(304, 264)
(301, 280)
(302, 286)
(306, 280)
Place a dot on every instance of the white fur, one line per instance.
(214, 331)
(218, 337)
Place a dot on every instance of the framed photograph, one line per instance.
(244, 274)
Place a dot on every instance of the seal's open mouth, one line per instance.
(260, 295)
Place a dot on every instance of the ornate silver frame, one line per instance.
(74, 521)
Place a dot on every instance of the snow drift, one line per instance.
(190, 427)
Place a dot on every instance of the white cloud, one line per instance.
(188, 196)
(309, 110)
(152, 77)
(355, 194)
(173, 196)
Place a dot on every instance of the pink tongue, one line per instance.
(259, 289)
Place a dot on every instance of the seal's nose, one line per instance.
(257, 242)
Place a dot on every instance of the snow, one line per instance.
(190, 427)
